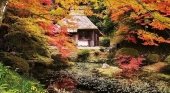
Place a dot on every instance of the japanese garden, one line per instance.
(84, 46)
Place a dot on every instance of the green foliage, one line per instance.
(11, 82)
(28, 25)
(105, 42)
(25, 43)
(105, 24)
(152, 58)
(101, 18)
(83, 55)
(166, 70)
(14, 61)
(127, 51)
(107, 85)
(3, 30)
(167, 59)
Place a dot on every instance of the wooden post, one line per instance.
(76, 38)
(93, 39)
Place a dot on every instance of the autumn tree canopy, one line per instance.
(147, 20)
(39, 18)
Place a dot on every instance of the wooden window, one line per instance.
(84, 35)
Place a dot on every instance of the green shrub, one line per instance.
(152, 58)
(166, 69)
(3, 30)
(25, 43)
(14, 61)
(96, 53)
(127, 51)
(107, 85)
(83, 55)
(11, 82)
(105, 42)
(167, 59)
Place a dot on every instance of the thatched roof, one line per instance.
(77, 20)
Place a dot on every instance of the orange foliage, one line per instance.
(151, 38)
(62, 42)
(35, 7)
(158, 25)
(141, 16)
(41, 10)
(164, 7)
(117, 14)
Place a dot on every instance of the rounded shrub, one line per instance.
(166, 70)
(105, 42)
(83, 55)
(23, 42)
(14, 61)
(167, 59)
(152, 58)
(127, 51)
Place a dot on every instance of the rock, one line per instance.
(105, 65)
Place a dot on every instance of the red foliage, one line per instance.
(66, 83)
(63, 82)
(149, 1)
(50, 29)
(131, 38)
(129, 64)
(58, 36)
(46, 2)
(63, 42)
